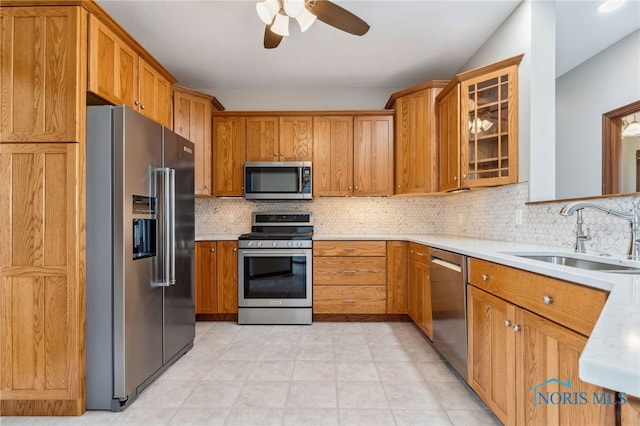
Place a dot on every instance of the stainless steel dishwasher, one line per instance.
(449, 306)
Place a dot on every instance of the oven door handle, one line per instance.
(274, 252)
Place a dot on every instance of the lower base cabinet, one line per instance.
(216, 277)
(419, 285)
(524, 366)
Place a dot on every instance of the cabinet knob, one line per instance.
(547, 300)
(275, 154)
(356, 187)
(485, 277)
(464, 176)
(411, 251)
(516, 328)
(507, 323)
(142, 106)
(398, 186)
(282, 154)
(206, 187)
(455, 178)
(213, 249)
(235, 249)
(136, 103)
(350, 188)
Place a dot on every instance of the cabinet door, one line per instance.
(192, 120)
(43, 74)
(263, 139)
(154, 94)
(415, 150)
(397, 276)
(227, 277)
(228, 156)
(491, 346)
(332, 156)
(373, 156)
(449, 140)
(423, 297)
(113, 66)
(489, 136)
(412, 288)
(547, 354)
(206, 273)
(296, 138)
(42, 303)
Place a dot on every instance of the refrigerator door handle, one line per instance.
(172, 227)
(164, 268)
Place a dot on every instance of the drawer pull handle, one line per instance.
(350, 300)
(349, 271)
(420, 254)
(349, 249)
(547, 300)
(516, 328)
(507, 323)
(485, 277)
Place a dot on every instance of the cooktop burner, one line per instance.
(277, 229)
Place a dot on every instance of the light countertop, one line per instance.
(611, 358)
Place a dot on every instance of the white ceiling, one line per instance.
(215, 44)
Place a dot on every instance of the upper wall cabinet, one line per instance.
(119, 75)
(483, 128)
(43, 74)
(279, 138)
(415, 138)
(192, 120)
(373, 155)
(333, 156)
(228, 156)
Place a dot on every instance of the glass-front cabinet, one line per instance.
(489, 136)
(478, 127)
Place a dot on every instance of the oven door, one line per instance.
(274, 278)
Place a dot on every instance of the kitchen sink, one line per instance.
(586, 262)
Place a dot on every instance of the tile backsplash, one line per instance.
(489, 213)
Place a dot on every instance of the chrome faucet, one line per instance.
(581, 236)
(633, 217)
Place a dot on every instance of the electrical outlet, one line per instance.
(518, 217)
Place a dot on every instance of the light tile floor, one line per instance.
(323, 374)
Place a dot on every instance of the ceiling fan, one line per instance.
(276, 14)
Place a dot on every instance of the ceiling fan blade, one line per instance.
(271, 39)
(338, 17)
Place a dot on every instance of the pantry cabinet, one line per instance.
(525, 335)
(349, 277)
(43, 74)
(192, 120)
(420, 288)
(279, 138)
(120, 75)
(216, 277)
(228, 156)
(483, 127)
(416, 157)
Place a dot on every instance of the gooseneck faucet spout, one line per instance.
(632, 216)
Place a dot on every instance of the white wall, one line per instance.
(603, 83)
(304, 99)
(530, 30)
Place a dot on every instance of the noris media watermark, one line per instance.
(567, 395)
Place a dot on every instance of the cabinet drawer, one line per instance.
(349, 300)
(572, 305)
(349, 248)
(418, 252)
(349, 270)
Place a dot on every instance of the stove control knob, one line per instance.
(259, 243)
(275, 244)
(299, 243)
(250, 244)
(290, 244)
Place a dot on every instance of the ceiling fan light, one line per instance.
(267, 9)
(305, 20)
(294, 8)
(632, 129)
(280, 25)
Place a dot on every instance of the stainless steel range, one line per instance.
(274, 269)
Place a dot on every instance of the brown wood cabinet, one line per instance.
(349, 277)
(42, 303)
(119, 75)
(43, 74)
(228, 156)
(486, 127)
(397, 276)
(216, 277)
(353, 155)
(416, 158)
(192, 120)
(420, 288)
(513, 348)
(275, 138)
(630, 412)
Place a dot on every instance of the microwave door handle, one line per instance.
(300, 173)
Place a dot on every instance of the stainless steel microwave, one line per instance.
(277, 180)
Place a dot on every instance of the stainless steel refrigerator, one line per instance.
(140, 248)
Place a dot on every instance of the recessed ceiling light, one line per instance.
(610, 5)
